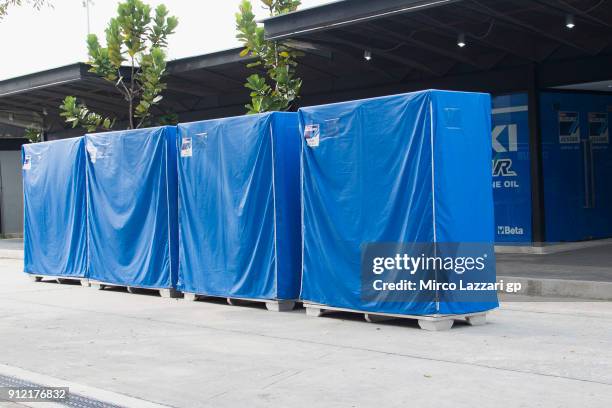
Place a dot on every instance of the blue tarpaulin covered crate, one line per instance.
(402, 173)
(132, 203)
(239, 207)
(54, 208)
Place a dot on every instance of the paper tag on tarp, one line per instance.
(186, 147)
(311, 133)
(27, 162)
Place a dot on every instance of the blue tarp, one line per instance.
(411, 168)
(132, 202)
(239, 207)
(54, 208)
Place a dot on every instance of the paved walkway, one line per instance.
(201, 354)
(589, 264)
(11, 248)
(579, 274)
(16, 243)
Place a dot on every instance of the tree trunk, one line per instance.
(131, 96)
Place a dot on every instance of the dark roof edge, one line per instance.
(340, 13)
(79, 71)
(12, 143)
(211, 60)
(42, 79)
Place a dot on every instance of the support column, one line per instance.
(538, 233)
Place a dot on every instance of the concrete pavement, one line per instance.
(582, 273)
(585, 264)
(188, 354)
(11, 248)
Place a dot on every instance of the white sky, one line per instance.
(32, 41)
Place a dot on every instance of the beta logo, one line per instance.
(503, 168)
(509, 230)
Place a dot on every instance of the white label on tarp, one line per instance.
(186, 147)
(598, 127)
(569, 127)
(93, 151)
(27, 162)
(311, 134)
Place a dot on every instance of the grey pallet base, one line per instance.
(163, 292)
(58, 279)
(427, 322)
(271, 304)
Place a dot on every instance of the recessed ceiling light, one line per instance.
(461, 40)
(569, 21)
(367, 54)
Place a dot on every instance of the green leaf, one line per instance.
(139, 38)
(77, 114)
(280, 88)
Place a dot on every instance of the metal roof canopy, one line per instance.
(510, 46)
(199, 87)
(208, 83)
(413, 44)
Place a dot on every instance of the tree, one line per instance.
(136, 38)
(33, 134)
(78, 114)
(281, 88)
(5, 4)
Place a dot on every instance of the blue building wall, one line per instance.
(577, 165)
(511, 178)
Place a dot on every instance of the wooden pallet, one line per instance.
(274, 305)
(437, 322)
(58, 279)
(163, 292)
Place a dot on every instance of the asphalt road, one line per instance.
(143, 349)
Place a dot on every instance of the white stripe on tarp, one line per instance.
(433, 178)
(433, 192)
(510, 109)
(166, 154)
(302, 225)
(271, 118)
(87, 226)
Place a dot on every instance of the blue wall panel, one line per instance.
(511, 169)
(577, 164)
